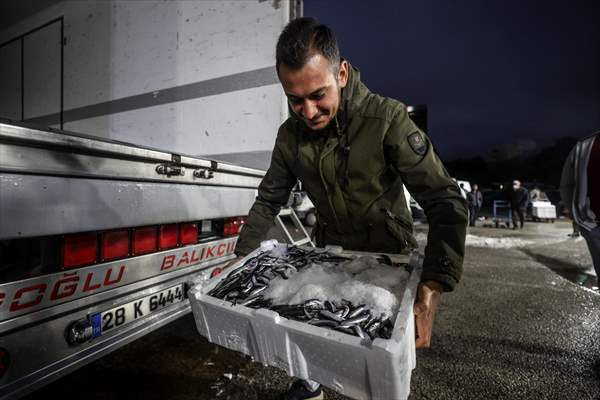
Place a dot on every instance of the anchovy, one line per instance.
(249, 300)
(256, 290)
(345, 311)
(330, 315)
(245, 285)
(358, 331)
(357, 311)
(372, 329)
(263, 279)
(355, 321)
(323, 322)
(313, 303)
(330, 306)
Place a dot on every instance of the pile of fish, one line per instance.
(344, 317)
(245, 286)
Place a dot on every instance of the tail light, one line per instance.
(78, 250)
(189, 233)
(4, 361)
(115, 244)
(144, 240)
(232, 226)
(168, 236)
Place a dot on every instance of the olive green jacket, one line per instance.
(353, 172)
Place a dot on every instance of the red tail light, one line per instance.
(144, 240)
(78, 250)
(4, 361)
(233, 225)
(168, 236)
(189, 233)
(115, 244)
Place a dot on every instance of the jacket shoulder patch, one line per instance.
(417, 143)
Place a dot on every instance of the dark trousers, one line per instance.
(518, 214)
(473, 211)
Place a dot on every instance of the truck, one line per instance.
(132, 141)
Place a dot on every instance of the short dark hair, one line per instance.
(303, 36)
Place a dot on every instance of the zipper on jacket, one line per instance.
(399, 220)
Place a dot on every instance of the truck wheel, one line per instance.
(310, 219)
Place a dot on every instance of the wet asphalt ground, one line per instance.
(519, 326)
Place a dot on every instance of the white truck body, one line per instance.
(160, 94)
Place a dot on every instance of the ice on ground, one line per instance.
(360, 281)
(496, 242)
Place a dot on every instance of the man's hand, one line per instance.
(428, 299)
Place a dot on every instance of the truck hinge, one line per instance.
(169, 169)
(204, 173)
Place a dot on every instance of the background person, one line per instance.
(475, 201)
(519, 198)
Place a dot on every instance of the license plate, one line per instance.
(106, 321)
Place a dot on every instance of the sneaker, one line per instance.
(299, 391)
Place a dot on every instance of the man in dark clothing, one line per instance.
(475, 201)
(519, 199)
(353, 151)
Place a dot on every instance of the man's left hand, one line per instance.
(428, 298)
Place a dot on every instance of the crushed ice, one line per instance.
(362, 280)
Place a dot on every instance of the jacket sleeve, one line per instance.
(424, 175)
(273, 193)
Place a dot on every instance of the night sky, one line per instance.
(492, 73)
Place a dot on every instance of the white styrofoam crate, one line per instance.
(379, 370)
(541, 209)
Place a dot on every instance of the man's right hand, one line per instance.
(428, 299)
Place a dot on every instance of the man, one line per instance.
(475, 201)
(353, 150)
(580, 191)
(519, 198)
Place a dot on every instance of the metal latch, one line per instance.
(169, 170)
(204, 173)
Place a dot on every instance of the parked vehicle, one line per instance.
(101, 229)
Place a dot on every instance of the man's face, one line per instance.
(475, 187)
(313, 91)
